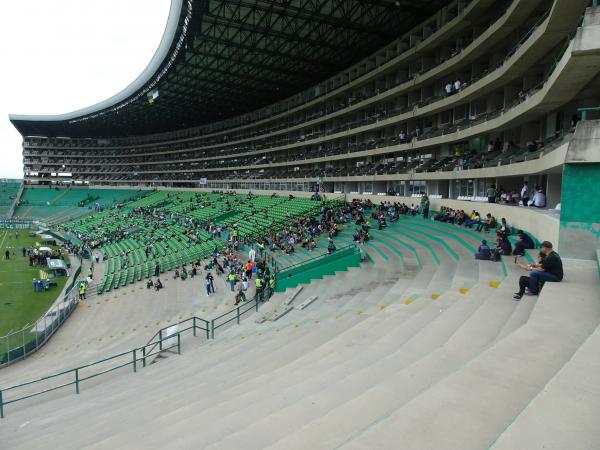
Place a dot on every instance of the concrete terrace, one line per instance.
(421, 347)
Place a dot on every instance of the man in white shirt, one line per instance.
(539, 199)
(525, 193)
(252, 255)
(457, 85)
(448, 88)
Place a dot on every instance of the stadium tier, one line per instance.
(9, 189)
(169, 230)
(55, 205)
(348, 214)
(481, 94)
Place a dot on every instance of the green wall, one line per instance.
(317, 268)
(580, 211)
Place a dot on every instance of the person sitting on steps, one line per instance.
(483, 252)
(550, 269)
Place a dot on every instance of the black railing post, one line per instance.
(134, 360)
(194, 326)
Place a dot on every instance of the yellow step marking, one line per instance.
(435, 296)
(382, 307)
(494, 284)
(408, 302)
(463, 290)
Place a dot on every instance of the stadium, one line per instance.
(316, 224)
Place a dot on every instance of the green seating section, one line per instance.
(56, 205)
(178, 237)
(8, 192)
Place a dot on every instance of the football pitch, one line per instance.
(19, 305)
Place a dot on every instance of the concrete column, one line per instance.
(553, 189)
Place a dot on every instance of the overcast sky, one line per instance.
(61, 55)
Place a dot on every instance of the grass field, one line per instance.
(19, 305)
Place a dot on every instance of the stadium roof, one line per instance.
(222, 58)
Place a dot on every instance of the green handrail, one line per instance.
(78, 379)
(584, 111)
(146, 351)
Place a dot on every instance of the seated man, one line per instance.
(539, 199)
(524, 242)
(503, 247)
(483, 252)
(549, 269)
(487, 223)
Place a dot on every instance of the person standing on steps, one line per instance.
(259, 286)
(425, 206)
(209, 280)
(491, 194)
(525, 193)
(231, 279)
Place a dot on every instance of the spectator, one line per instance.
(503, 247)
(330, 247)
(474, 220)
(158, 285)
(504, 229)
(491, 194)
(209, 281)
(539, 198)
(524, 280)
(231, 280)
(425, 206)
(524, 242)
(525, 193)
(549, 269)
(483, 252)
(489, 222)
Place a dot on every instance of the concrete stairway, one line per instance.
(376, 361)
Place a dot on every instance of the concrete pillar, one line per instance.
(553, 189)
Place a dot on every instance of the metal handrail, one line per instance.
(135, 358)
(146, 351)
(584, 111)
(301, 263)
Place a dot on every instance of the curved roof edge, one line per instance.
(139, 83)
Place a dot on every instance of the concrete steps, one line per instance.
(507, 375)
(376, 361)
(563, 414)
